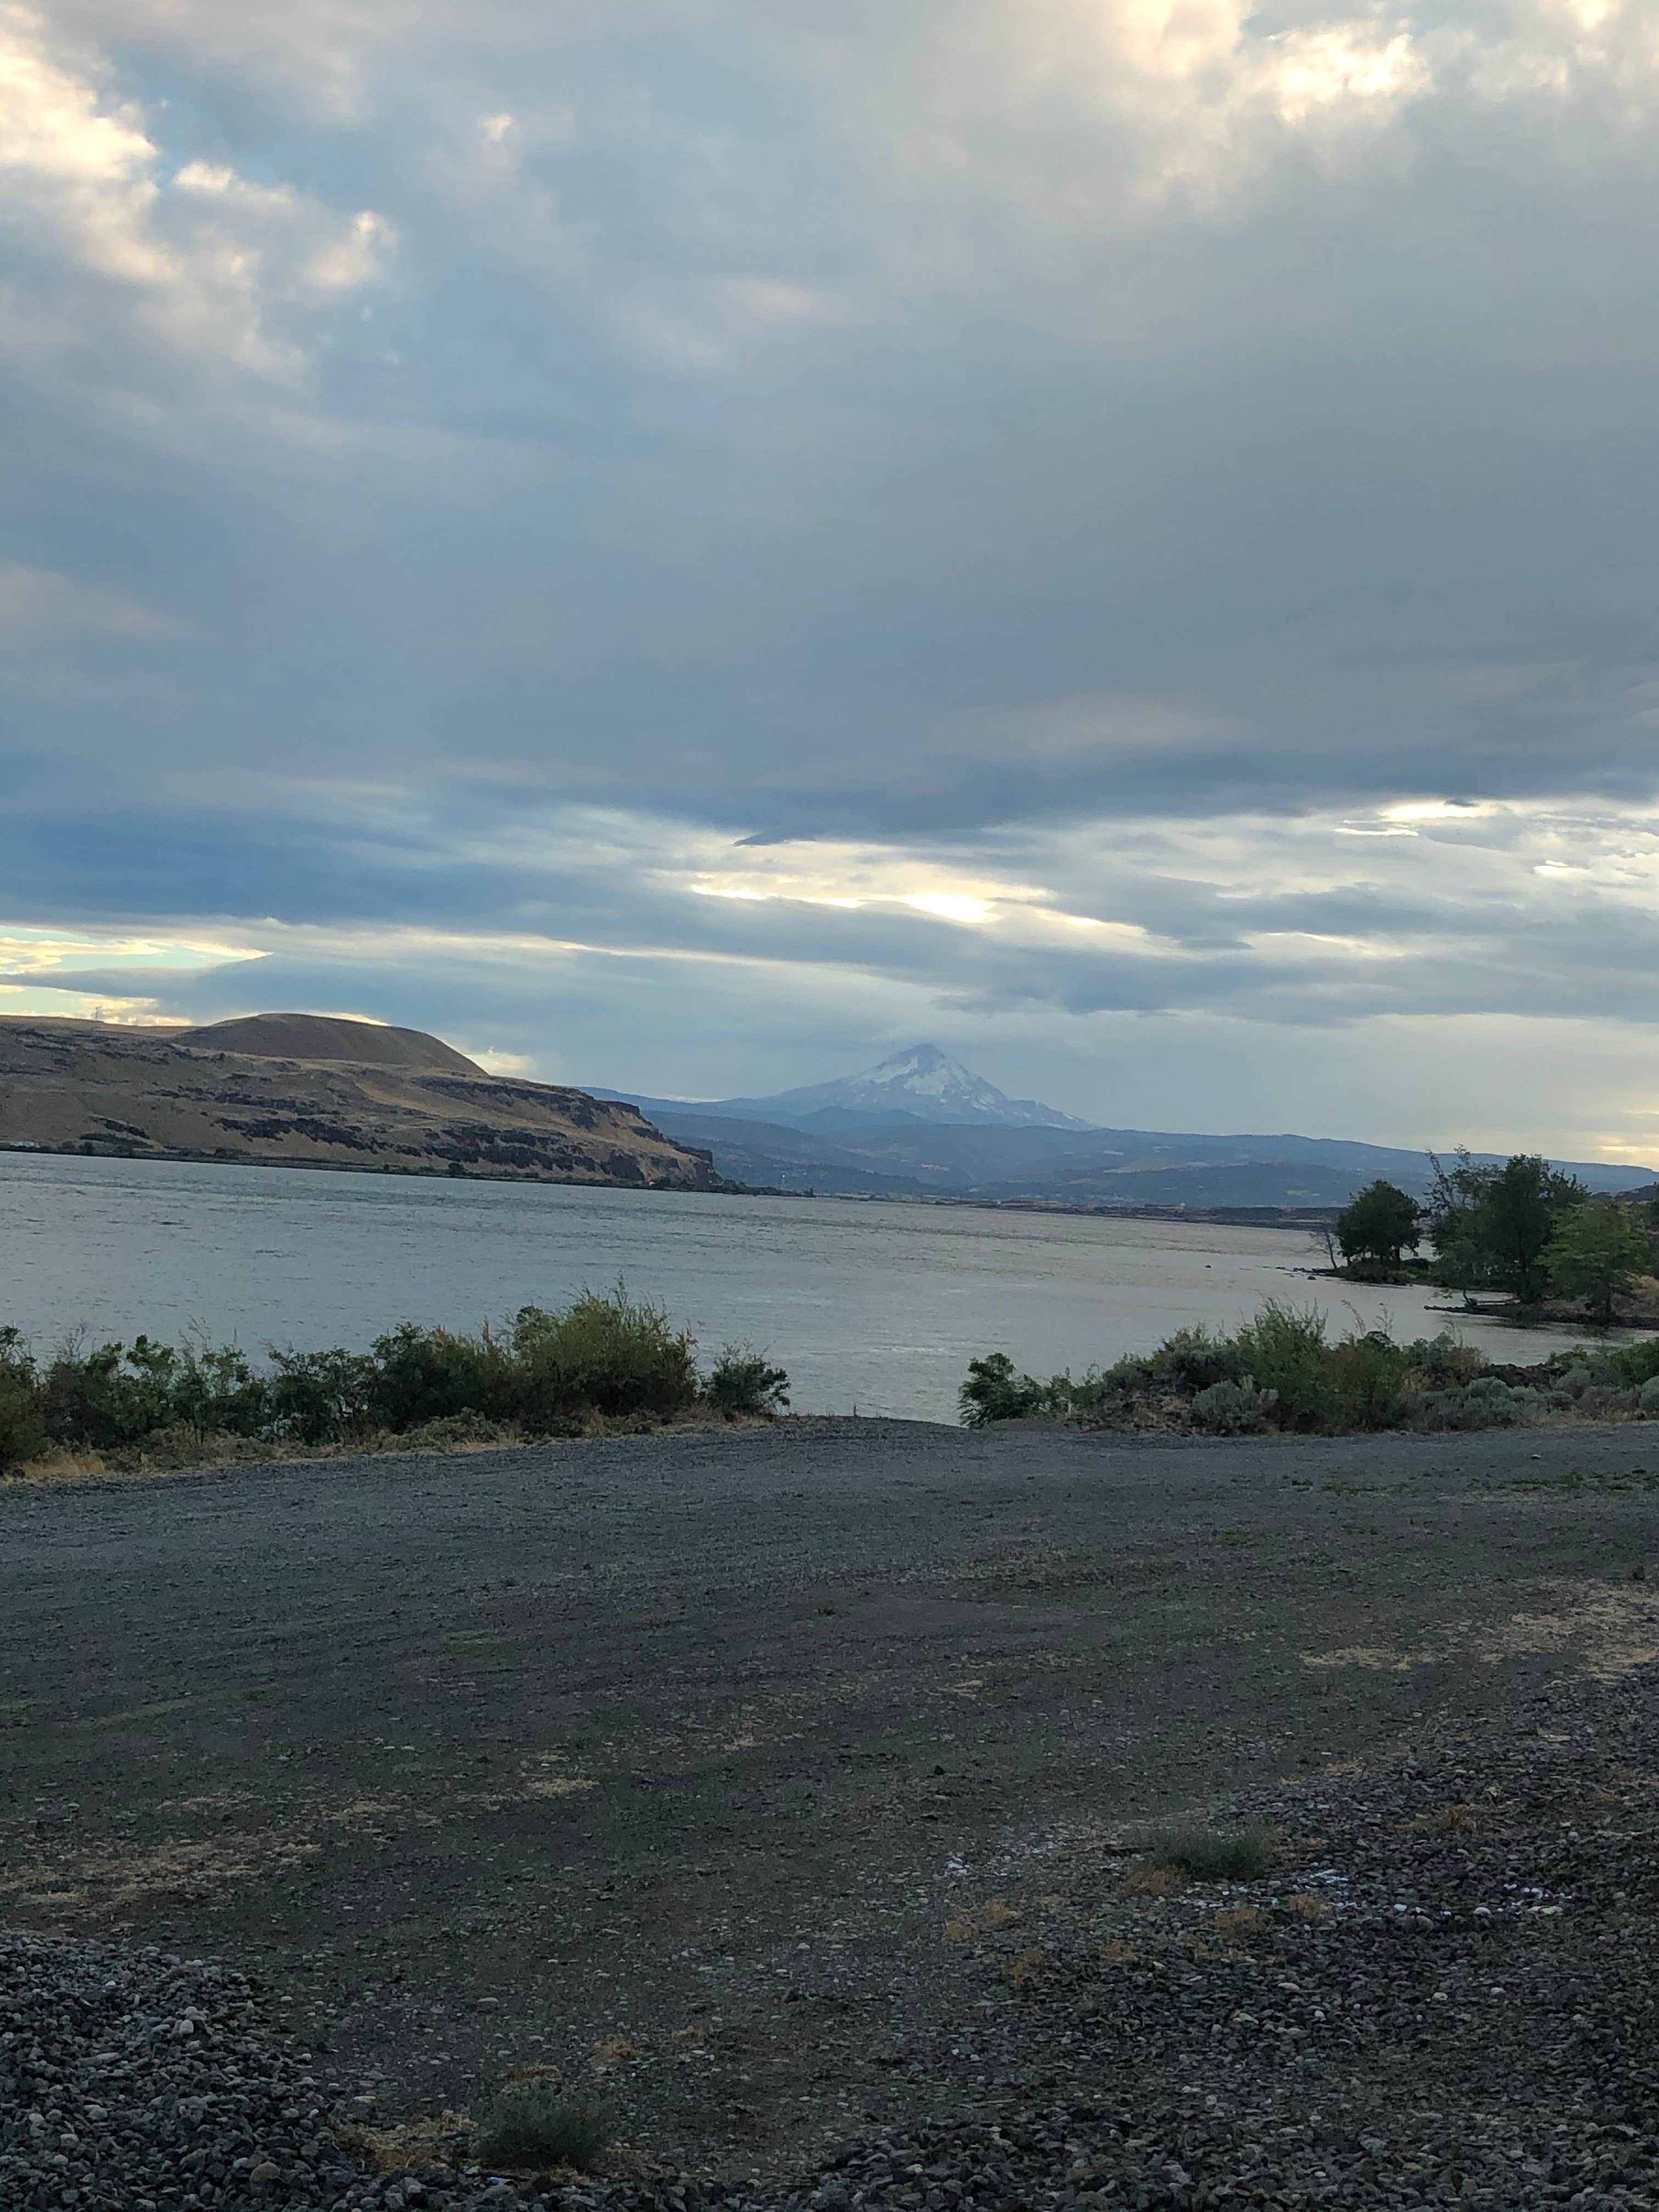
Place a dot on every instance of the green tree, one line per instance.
(1491, 1226)
(1597, 1255)
(1379, 1223)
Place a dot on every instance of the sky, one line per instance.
(686, 547)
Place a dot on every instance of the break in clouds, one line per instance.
(685, 550)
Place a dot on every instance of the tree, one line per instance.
(1492, 1225)
(1597, 1255)
(1379, 1223)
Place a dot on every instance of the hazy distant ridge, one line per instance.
(827, 1137)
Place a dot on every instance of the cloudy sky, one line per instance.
(686, 546)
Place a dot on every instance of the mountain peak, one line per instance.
(921, 1082)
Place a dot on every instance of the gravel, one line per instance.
(1444, 1994)
(788, 1788)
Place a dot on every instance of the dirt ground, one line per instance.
(680, 1760)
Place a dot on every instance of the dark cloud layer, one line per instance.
(497, 490)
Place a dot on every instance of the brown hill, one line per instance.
(154, 1094)
(330, 1037)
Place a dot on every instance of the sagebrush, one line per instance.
(607, 1356)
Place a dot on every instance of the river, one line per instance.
(871, 1307)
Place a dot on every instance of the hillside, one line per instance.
(331, 1038)
(357, 1095)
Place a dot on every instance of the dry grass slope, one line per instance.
(405, 1103)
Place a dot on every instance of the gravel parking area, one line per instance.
(786, 1784)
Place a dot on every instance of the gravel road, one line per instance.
(787, 1782)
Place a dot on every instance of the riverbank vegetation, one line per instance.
(1525, 1230)
(605, 1359)
(1283, 1373)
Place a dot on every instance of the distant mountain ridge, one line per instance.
(891, 1133)
(921, 1084)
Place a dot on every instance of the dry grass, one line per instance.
(1450, 1821)
(1237, 1923)
(1116, 1952)
(1149, 1880)
(984, 1920)
(1308, 1905)
(613, 2050)
(443, 2141)
(1028, 1966)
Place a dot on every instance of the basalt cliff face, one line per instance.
(311, 1090)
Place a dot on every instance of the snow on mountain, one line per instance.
(922, 1084)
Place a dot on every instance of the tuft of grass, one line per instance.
(1237, 1923)
(538, 2124)
(1243, 1853)
(1308, 1905)
(1148, 1880)
(1026, 1967)
(982, 1920)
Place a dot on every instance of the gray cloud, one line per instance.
(1048, 451)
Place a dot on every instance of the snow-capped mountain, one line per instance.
(922, 1084)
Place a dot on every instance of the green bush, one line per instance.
(96, 1400)
(1284, 1350)
(1234, 1409)
(994, 1391)
(1281, 1371)
(1443, 1362)
(423, 1375)
(743, 1381)
(1242, 1853)
(22, 1431)
(609, 1354)
(535, 2126)
(1367, 1383)
(321, 1397)
(1631, 1365)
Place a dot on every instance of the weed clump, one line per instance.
(1243, 1853)
(537, 2125)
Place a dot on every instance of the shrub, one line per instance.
(1234, 1409)
(742, 1381)
(994, 1391)
(22, 1432)
(1192, 1360)
(1443, 1362)
(422, 1374)
(1242, 1853)
(1647, 1398)
(540, 2125)
(96, 1400)
(606, 1354)
(1631, 1365)
(1488, 1402)
(1366, 1380)
(1284, 1350)
(320, 1397)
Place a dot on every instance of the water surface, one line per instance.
(870, 1307)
